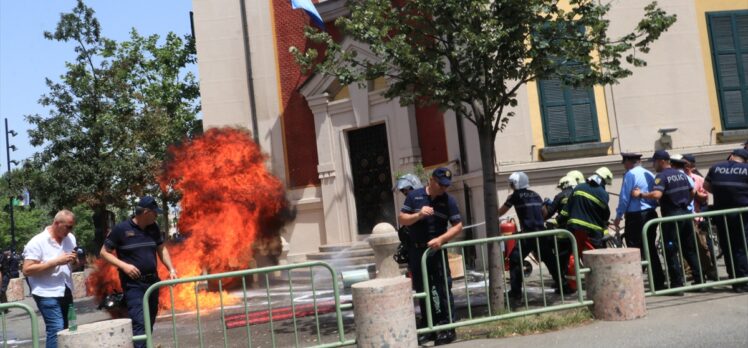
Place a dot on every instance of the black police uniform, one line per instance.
(676, 190)
(137, 247)
(729, 185)
(9, 268)
(421, 232)
(528, 205)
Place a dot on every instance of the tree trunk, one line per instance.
(165, 208)
(490, 198)
(103, 221)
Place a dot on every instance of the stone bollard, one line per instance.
(79, 285)
(384, 241)
(383, 313)
(615, 284)
(16, 289)
(108, 333)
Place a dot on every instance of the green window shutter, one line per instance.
(728, 32)
(569, 115)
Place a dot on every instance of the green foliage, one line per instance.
(111, 115)
(472, 56)
(28, 222)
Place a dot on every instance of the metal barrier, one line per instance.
(32, 316)
(680, 234)
(505, 313)
(270, 316)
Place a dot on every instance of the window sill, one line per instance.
(732, 136)
(575, 151)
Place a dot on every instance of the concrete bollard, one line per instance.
(615, 284)
(384, 241)
(79, 285)
(16, 289)
(383, 313)
(109, 333)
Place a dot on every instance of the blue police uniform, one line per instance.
(421, 232)
(636, 213)
(528, 205)
(676, 188)
(137, 247)
(729, 185)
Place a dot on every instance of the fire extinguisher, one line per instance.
(507, 228)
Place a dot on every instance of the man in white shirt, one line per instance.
(48, 259)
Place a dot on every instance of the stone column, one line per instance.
(383, 313)
(615, 284)
(108, 333)
(384, 241)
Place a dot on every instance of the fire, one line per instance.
(231, 207)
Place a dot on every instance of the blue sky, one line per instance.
(27, 58)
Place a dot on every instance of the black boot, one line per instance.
(445, 337)
(423, 338)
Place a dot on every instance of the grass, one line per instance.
(528, 325)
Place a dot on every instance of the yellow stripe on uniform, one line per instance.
(590, 197)
(585, 224)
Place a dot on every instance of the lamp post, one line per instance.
(9, 147)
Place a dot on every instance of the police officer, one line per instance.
(638, 211)
(728, 182)
(674, 190)
(137, 242)
(427, 211)
(587, 212)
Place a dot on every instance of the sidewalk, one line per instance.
(712, 319)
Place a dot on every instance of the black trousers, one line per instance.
(4, 287)
(672, 233)
(546, 251)
(732, 239)
(439, 285)
(633, 234)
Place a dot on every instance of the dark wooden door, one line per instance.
(372, 182)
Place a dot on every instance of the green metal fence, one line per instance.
(527, 305)
(729, 224)
(309, 315)
(32, 317)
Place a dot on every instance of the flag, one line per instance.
(309, 8)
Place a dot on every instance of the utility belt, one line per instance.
(148, 278)
(421, 245)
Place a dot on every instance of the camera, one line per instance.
(113, 301)
(80, 252)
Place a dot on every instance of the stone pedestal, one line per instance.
(16, 289)
(109, 333)
(384, 241)
(383, 312)
(79, 285)
(615, 284)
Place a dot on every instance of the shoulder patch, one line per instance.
(130, 233)
(657, 181)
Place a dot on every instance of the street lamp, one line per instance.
(9, 147)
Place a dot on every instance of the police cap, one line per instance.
(740, 152)
(630, 156)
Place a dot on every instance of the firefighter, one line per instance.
(529, 208)
(562, 245)
(674, 190)
(587, 212)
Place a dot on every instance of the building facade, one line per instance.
(339, 148)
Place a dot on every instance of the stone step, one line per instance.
(328, 248)
(337, 255)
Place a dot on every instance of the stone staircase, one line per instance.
(342, 258)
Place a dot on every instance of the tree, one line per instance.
(472, 56)
(107, 127)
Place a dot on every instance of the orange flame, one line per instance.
(230, 205)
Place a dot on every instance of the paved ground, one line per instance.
(715, 319)
(718, 318)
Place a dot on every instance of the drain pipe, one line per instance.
(250, 79)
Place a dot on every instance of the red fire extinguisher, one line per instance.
(507, 228)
